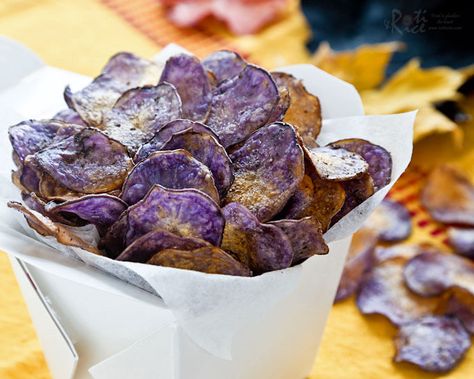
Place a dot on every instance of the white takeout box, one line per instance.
(92, 325)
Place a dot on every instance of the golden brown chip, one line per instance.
(44, 226)
(449, 196)
(304, 112)
(211, 260)
(431, 273)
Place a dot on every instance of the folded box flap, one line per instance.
(54, 339)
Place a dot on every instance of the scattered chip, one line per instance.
(45, 227)
(383, 292)
(449, 196)
(210, 260)
(460, 304)
(224, 64)
(242, 104)
(405, 251)
(379, 159)
(122, 72)
(87, 162)
(338, 164)
(434, 343)
(164, 134)
(101, 210)
(267, 168)
(187, 213)
(69, 116)
(304, 112)
(175, 169)
(358, 262)
(432, 273)
(140, 112)
(306, 237)
(205, 148)
(391, 220)
(357, 191)
(142, 249)
(26, 178)
(462, 241)
(187, 74)
(30, 136)
(262, 247)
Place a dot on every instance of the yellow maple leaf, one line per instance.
(412, 87)
(363, 67)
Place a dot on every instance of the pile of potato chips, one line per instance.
(210, 166)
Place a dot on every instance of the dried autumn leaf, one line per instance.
(415, 88)
(363, 67)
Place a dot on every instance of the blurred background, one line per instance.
(435, 31)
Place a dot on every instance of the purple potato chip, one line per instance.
(123, 71)
(187, 74)
(224, 64)
(338, 164)
(69, 116)
(33, 202)
(30, 136)
(205, 148)
(304, 110)
(208, 259)
(379, 159)
(460, 304)
(113, 240)
(431, 273)
(101, 210)
(262, 247)
(281, 108)
(433, 343)
(46, 227)
(87, 162)
(448, 195)
(140, 112)
(383, 292)
(391, 220)
(187, 213)
(268, 169)
(358, 263)
(306, 237)
(26, 178)
(242, 105)
(357, 191)
(144, 248)
(462, 241)
(176, 169)
(166, 132)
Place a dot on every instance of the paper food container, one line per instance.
(185, 324)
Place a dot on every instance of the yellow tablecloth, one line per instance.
(80, 36)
